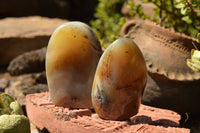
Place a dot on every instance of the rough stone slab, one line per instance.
(20, 86)
(29, 62)
(18, 35)
(28, 26)
(44, 114)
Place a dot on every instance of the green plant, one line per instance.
(194, 62)
(12, 119)
(108, 21)
(181, 15)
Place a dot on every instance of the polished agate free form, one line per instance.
(72, 56)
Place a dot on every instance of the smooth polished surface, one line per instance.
(119, 81)
(71, 60)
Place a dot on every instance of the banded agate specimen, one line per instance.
(72, 56)
(119, 81)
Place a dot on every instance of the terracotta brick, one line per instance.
(44, 114)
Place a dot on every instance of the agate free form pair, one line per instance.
(80, 76)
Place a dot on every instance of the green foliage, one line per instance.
(9, 106)
(136, 9)
(14, 124)
(109, 20)
(180, 15)
(5, 101)
(16, 108)
(12, 119)
(194, 62)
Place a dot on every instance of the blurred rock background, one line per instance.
(81, 10)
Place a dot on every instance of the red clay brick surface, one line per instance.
(44, 114)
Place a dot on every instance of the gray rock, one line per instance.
(29, 62)
(23, 85)
(19, 35)
(35, 89)
(41, 78)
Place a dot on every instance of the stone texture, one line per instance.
(41, 77)
(19, 35)
(29, 62)
(23, 85)
(45, 115)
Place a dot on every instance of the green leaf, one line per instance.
(16, 108)
(194, 62)
(187, 19)
(14, 124)
(180, 5)
(184, 11)
(178, 1)
(6, 100)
